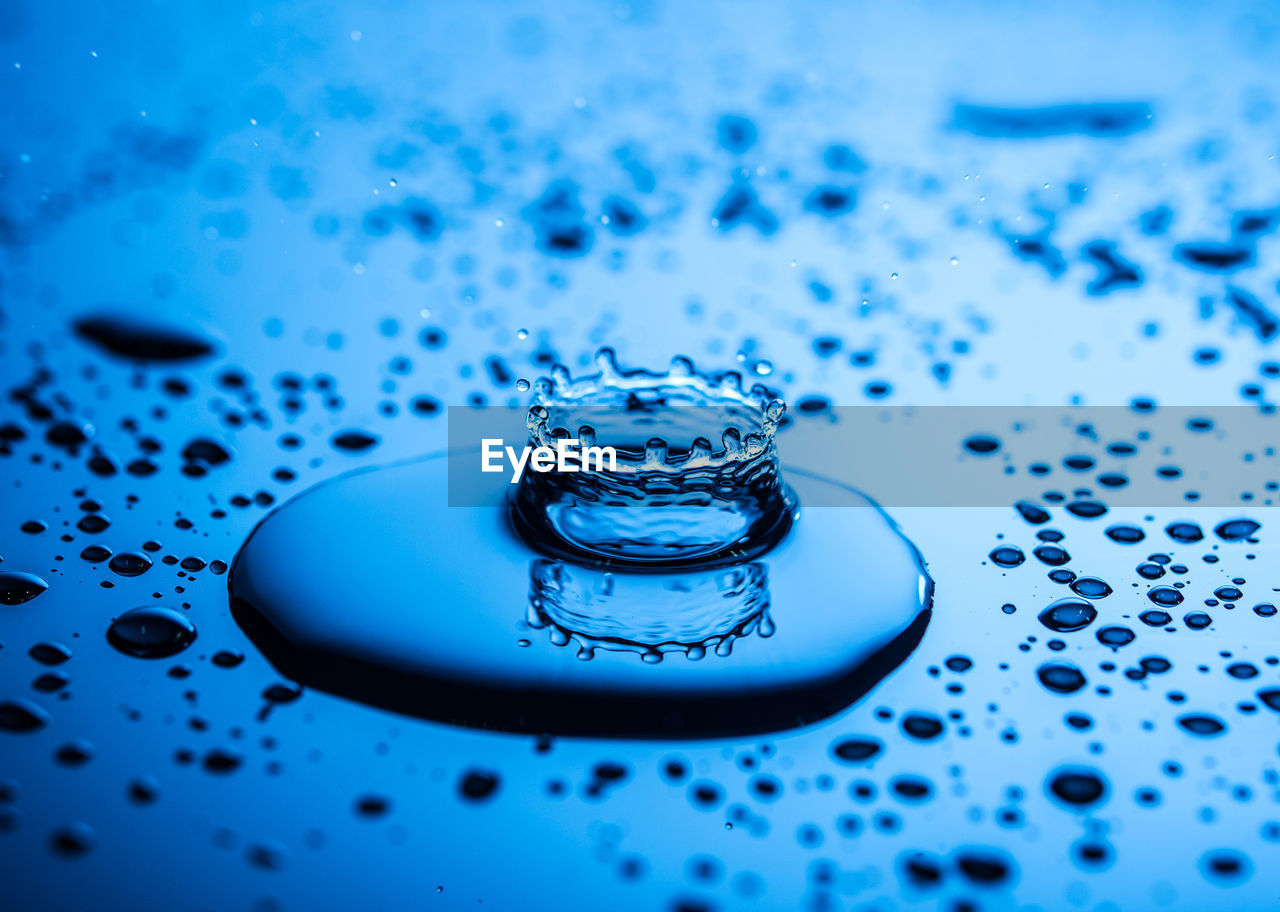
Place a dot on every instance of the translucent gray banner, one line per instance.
(1088, 458)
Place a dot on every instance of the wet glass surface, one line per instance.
(248, 249)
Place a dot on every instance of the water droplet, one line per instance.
(129, 563)
(1068, 615)
(1007, 556)
(1165, 596)
(1061, 677)
(21, 717)
(1202, 724)
(478, 785)
(17, 587)
(856, 750)
(1077, 787)
(1184, 532)
(1091, 587)
(1236, 529)
(151, 633)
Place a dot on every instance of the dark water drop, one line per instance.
(1197, 620)
(129, 563)
(69, 435)
(559, 221)
(93, 524)
(1226, 866)
(21, 717)
(1077, 786)
(922, 726)
(911, 788)
(1096, 119)
(221, 761)
(51, 682)
(1068, 615)
(1116, 636)
(1086, 509)
(830, 200)
(1052, 555)
(982, 444)
(1125, 534)
(1154, 617)
(1079, 721)
(1150, 570)
(1215, 257)
(49, 653)
(135, 339)
(735, 133)
(207, 451)
(921, 871)
(281, 694)
(1061, 677)
(1202, 724)
(1270, 698)
(856, 750)
(1165, 596)
(478, 785)
(72, 840)
(1185, 532)
(74, 754)
(151, 633)
(227, 658)
(371, 807)
(144, 791)
(17, 587)
(987, 867)
(1007, 556)
(354, 441)
(1032, 513)
(1236, 529)
(1091, 587)
(622, 217)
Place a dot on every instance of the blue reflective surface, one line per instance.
(249, 247)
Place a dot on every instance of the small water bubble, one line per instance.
(151, 633)
(1007, 556)
(17, 587)
(21, 717)
(1078, 787)
(478, 785)
(1061, 677)
(128, 563)
(1068, 615)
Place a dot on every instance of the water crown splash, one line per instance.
(685, 551)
